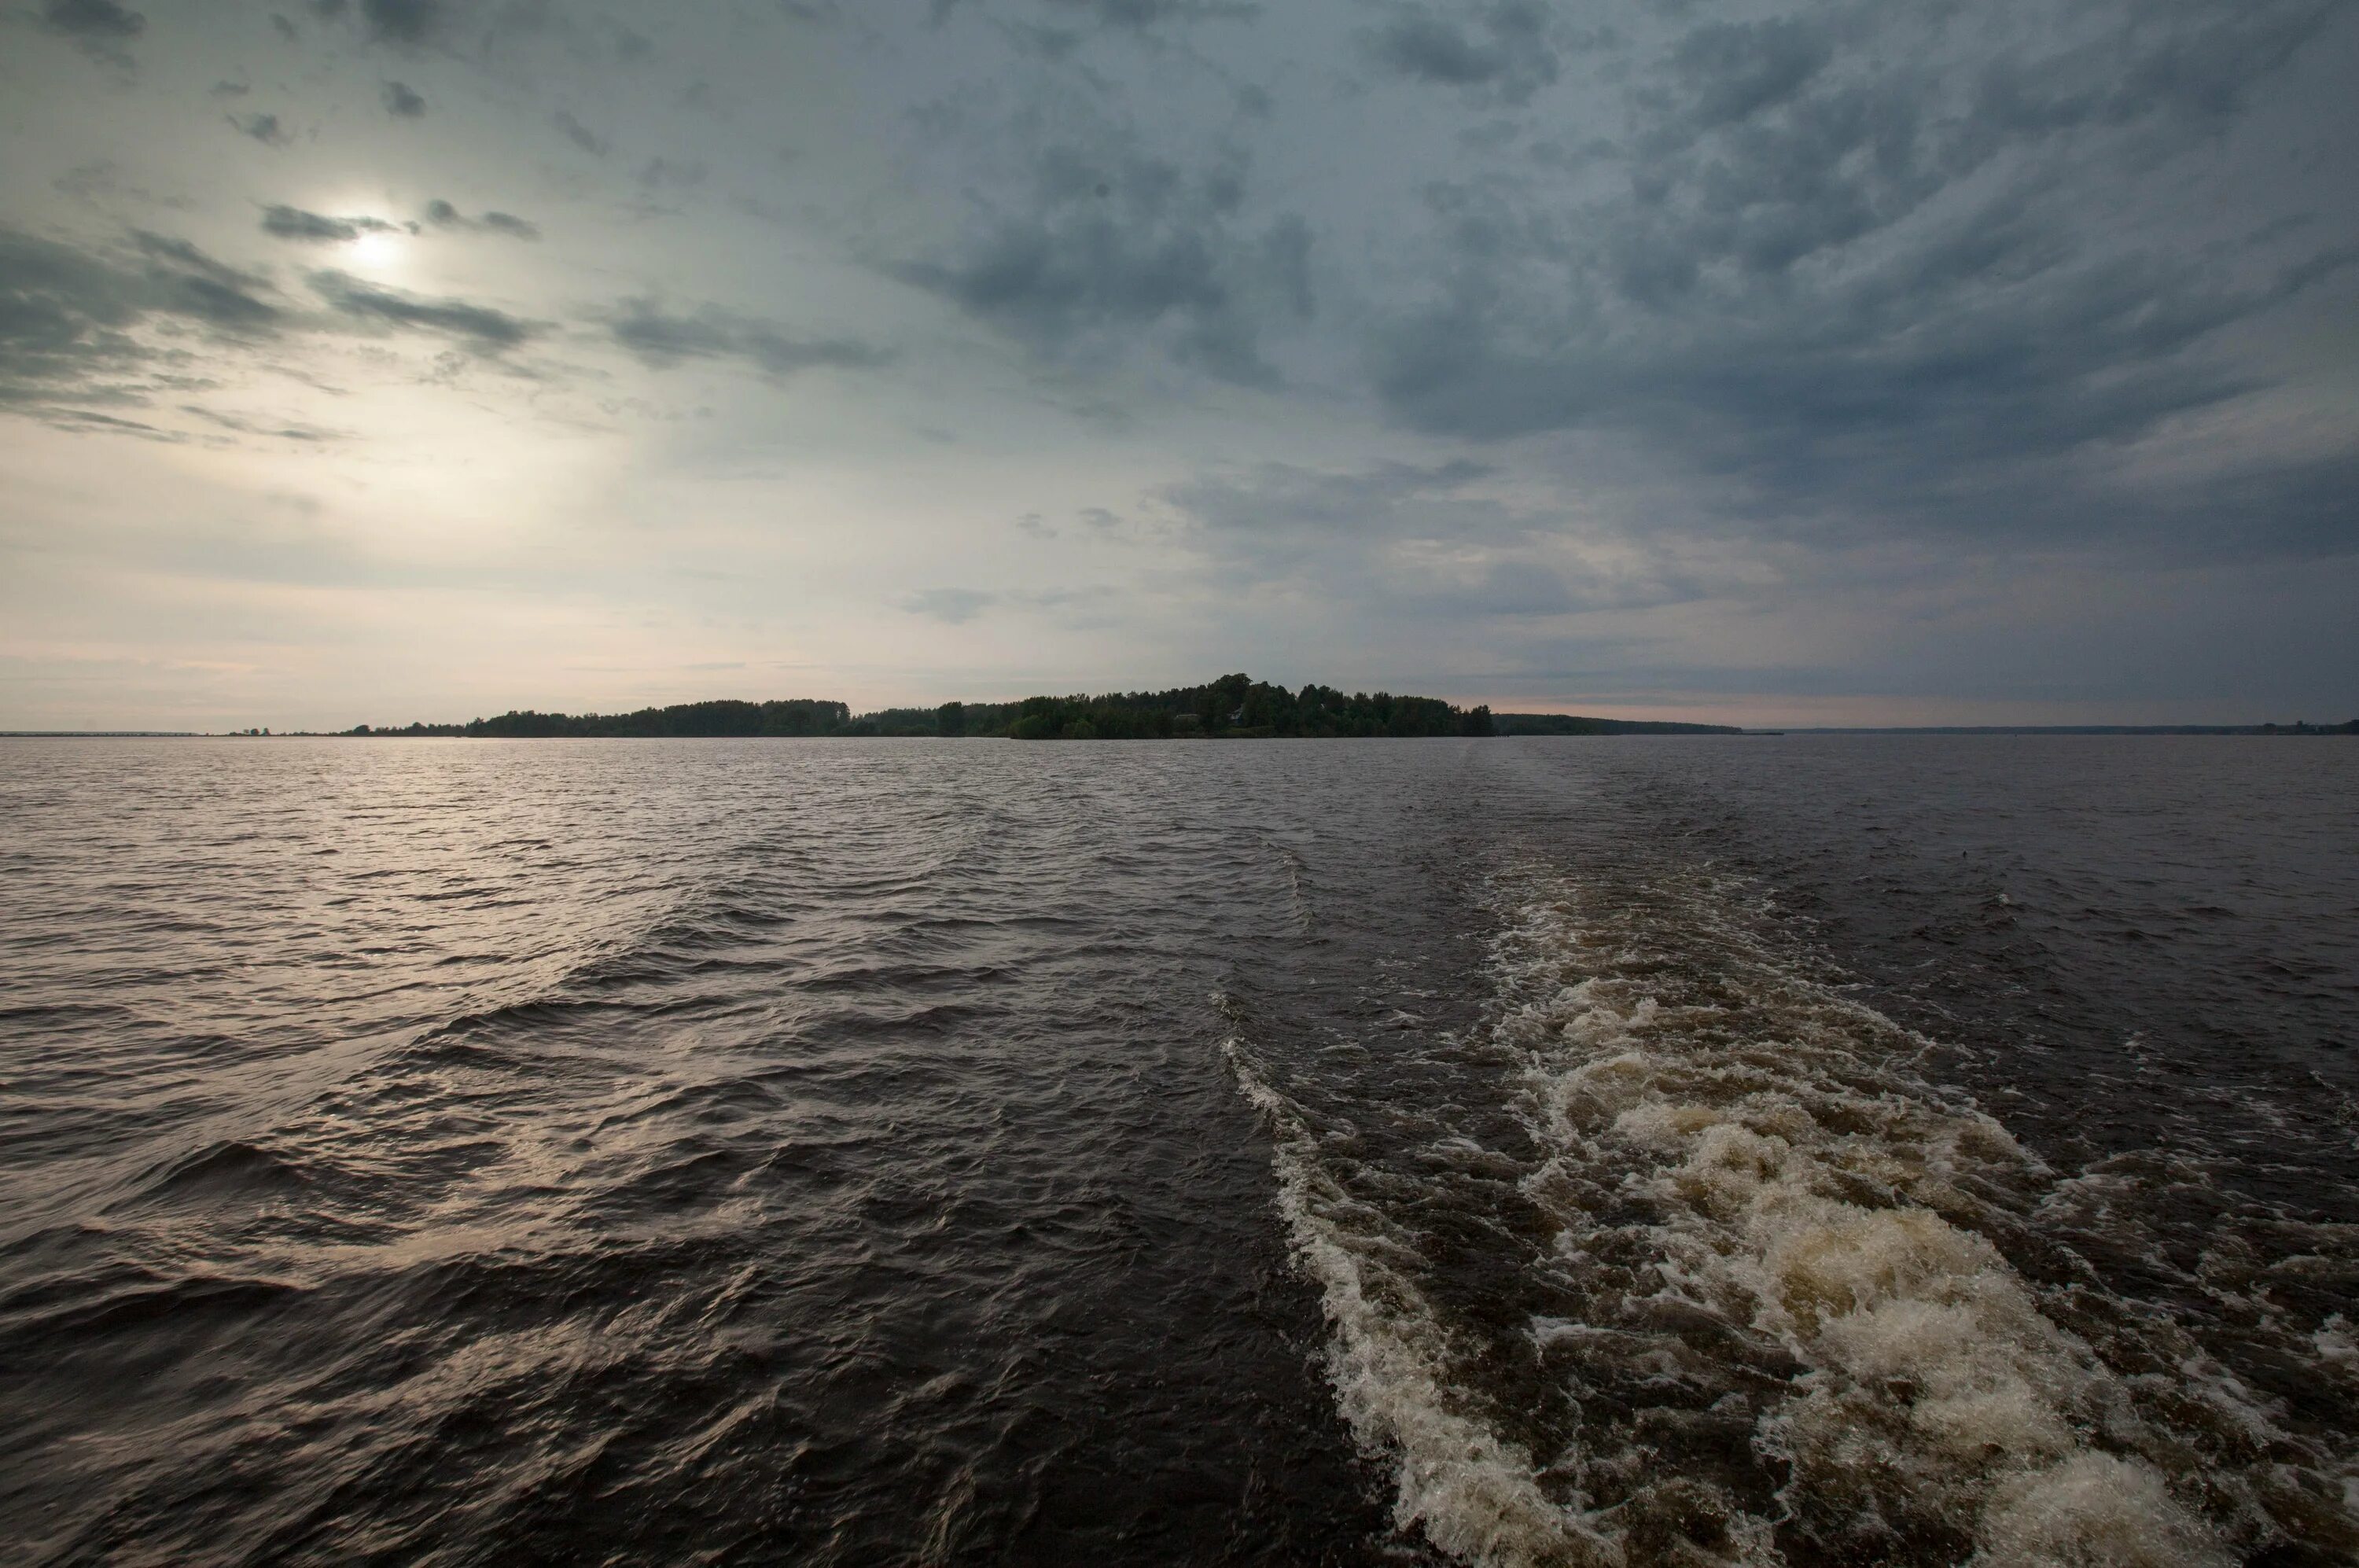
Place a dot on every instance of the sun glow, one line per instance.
(379, 251)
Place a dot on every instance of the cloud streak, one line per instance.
(76, 326)
(443, 215)
(480, 329)
(663, 339)
(294, 223)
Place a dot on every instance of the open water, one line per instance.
(1629, 1151)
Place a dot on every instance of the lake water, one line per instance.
(1815, 1150)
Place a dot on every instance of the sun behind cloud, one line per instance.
(381, 253)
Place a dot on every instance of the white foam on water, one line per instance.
(1763, 1213)
(1799, 1181)
(1472, 1494)
(2090, 1508)
(2335, 1343)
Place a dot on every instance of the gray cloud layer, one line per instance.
(70, 327)
(1782, 340)
(1504, 48)
(1105, 243)
(1863, 290)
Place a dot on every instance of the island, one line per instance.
(1235, 707)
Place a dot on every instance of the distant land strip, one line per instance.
(1235, 707)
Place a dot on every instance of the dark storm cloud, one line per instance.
(405, 21)
(101, 28)
(1503, 48)
(2192, 69)
(294, 223)
(664, 340)
(1971, 419)
(402, 102)
(443, 215)
(478, 328)
(1112, 244)
(71, 320)
(1732, 70)
(1816, 292)
(1147, 13)
(263, 128)
(1128, 13)
(390, 21)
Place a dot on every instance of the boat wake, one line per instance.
(1765, 1293)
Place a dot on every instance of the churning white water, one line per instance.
(1787, 1326)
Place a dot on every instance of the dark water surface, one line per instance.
(1846, 1149)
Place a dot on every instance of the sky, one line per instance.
(1890, 362)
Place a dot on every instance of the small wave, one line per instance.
(230, 1167)
(1298, 896)
(193, 1302)
(463, 1035)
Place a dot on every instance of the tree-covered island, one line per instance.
(1235, 707)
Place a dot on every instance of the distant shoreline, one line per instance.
(1235, 707)
(1610, 728)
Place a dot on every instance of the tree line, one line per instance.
(1235, 707)
(787, 717)
(1239, 707)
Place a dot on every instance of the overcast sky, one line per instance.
(371, 360)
